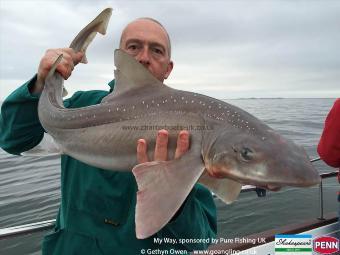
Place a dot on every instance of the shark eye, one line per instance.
(246, 154)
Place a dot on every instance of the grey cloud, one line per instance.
(233, 47)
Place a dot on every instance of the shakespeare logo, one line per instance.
(293, 244)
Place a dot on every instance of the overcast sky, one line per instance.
(224, 49)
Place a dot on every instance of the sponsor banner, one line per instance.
(293, 245)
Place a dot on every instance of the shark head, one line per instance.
(265, 160)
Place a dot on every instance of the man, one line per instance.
(329, 144)
(97, 210)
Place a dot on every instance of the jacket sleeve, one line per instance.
(20, 129)
(329, 144)
(195, 225)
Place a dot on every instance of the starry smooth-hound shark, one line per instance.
(228, 146)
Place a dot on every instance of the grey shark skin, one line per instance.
(229, 146)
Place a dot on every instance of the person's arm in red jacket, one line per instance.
(329, 144)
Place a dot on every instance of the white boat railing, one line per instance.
(26, 229)
(48, 224)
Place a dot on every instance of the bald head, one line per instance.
(148, 42)
(144, 22)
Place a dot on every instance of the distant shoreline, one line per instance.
(261, 98)
(251, 98)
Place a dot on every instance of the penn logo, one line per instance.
(326, 245)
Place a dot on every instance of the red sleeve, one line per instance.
(329, 144)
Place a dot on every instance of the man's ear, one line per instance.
(169, 69)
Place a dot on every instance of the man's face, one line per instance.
(148, 43)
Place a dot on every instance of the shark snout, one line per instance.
(300, 174)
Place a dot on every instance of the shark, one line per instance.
(229, 147)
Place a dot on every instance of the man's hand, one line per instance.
(65, 67)
(161, 149)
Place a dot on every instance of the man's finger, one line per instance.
(75, 56)
(78, 57)
(64, 71)
(142, 155)
(161, 148)
(182, 143)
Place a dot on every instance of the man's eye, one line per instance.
(132, 47)
(158, 51)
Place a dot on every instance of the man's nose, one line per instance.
(144, 57)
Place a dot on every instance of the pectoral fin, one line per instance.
(227, 190)
(163, 187)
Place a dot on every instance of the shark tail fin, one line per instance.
(88, 33)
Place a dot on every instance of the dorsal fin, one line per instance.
(130, 75)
